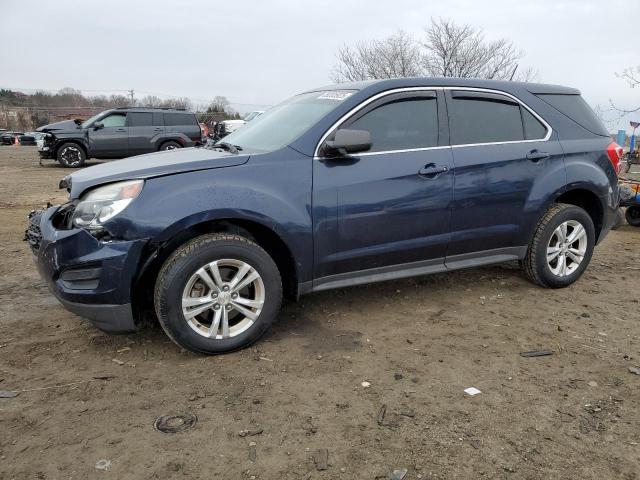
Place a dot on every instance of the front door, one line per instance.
(112, 140)
(386, 210)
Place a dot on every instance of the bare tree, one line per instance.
(447, 50)
(396, 56)
(461, 51)
(632, 76)
(150, 101)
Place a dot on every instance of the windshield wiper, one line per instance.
(227, 146)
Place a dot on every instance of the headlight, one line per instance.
(104, 203)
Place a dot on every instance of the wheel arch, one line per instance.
(162, 141)
(263, 235)
(62, 141)
(588, 200)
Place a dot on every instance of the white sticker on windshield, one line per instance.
(337, 95)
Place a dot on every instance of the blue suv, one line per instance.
(338, 186)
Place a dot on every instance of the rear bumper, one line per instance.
(91, 278)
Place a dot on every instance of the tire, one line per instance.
(71, 155)
(181, 279)
(632, 216)
(538, 269)
(170, 145)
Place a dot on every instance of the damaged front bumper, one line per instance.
(90, 277)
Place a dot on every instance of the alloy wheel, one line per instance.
(71, 155)
(567, 248)
(223, 298)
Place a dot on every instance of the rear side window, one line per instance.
(174, 119)
(401, 125)
(485, 120)
(574, 107)
(139, 119)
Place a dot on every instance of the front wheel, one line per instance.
(217, 293)
(561, 247)
(633, 216)
(71, 155)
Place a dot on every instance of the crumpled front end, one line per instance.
(90, 277)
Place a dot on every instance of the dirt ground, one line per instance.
(86, 396)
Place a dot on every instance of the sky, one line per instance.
(257, 53)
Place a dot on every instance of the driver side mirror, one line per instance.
(98, 126)
(347, 141)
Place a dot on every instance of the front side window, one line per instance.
(402, 124)
(114, 120)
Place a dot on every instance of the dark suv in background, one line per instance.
(119, 133)
(338, 186)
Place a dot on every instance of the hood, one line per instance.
(64, 125)
(148, 166)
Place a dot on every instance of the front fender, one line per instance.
(259, 192)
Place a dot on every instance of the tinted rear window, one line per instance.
(139, 119)
(574, 107)
(478, 120)
(172, 119)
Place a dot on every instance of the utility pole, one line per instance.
(131, 92)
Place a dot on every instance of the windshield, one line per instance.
(87, 123)
(251, 116)
(282, 124)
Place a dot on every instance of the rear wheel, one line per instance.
(171, 145)
(217, 293)
(633, 216)
(561, 247)
(71, 155)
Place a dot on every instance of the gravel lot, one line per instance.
(86, 396)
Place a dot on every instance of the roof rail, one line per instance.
(181, 109)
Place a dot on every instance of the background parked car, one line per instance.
(119, 133)
(9, 138)
(29, 138)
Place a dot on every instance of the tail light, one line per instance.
(614, 151)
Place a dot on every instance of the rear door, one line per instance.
(112, 140)
(387, 210)
(142, 132)
(182, 125)
(503, 154)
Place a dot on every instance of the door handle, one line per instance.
(536, 156)
(432, 170)
(121, 129)
(158, 129)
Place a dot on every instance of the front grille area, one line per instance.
(32, 234)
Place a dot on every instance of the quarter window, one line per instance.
(174, 119)
(402, 124)
(533, 129)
